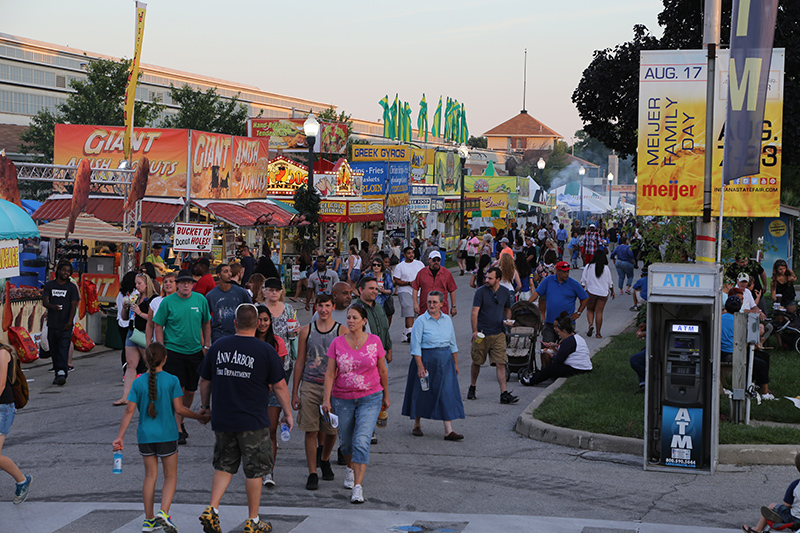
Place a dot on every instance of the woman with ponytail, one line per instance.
(157, 395)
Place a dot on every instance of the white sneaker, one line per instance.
(768, 396)
(350, 479)
(268, 481)
(358, 495)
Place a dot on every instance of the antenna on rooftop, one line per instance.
(524, 81)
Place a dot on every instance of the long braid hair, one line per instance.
(154, 355)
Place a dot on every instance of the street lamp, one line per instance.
(463, 153)
(540, 165)
(610, 179)
(582, 172)
(311, 129)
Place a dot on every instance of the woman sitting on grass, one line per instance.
(572, 357)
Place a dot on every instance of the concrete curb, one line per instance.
(735, 454)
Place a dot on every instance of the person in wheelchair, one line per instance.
(787, 512)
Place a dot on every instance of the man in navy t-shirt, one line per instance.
(223, 301)
(490, 306)
(559, 292)
(238, 371)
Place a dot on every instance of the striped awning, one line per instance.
(86, 227)
(155, 211)
(249, 213)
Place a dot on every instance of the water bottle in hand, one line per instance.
(424, 382)
(285, 435)
(117, 462)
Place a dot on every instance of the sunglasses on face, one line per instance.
(436, 259)
(377, 264)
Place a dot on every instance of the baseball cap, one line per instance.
(562, 265)
(203, 261)
(592, 226)
(504, 239)
(184, 275)
(733, 304)
(743, 276)
(435, 255)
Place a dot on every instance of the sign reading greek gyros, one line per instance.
(193, 237)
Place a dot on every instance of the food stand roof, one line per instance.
(244, 213)
(156, 211)
(15, 223)
(86, 227)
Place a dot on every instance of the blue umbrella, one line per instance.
(15, 223)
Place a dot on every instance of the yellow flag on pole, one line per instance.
(133, 77)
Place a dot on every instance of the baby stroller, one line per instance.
(521, 339)
(787, 327)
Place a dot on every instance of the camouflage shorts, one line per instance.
(252, 448)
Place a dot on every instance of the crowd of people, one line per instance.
(234, 336)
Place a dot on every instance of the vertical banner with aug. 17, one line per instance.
(671, 151)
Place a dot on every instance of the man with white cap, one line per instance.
(434, 278)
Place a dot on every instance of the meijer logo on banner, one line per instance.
(193, 237)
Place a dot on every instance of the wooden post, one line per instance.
(739, 374)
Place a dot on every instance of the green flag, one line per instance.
(393, 119)
(422, 119)
(447, 123)
(464, 128)
(384, 103)
(455, 117)
(437, 120)
(407, 137)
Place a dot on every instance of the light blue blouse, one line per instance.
(429, 332)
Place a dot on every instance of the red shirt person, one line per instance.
(434, 278)
(206, 281)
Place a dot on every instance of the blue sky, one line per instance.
(353, 52)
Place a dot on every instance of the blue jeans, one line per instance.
(7, 412)
(639, 365)
(357, 420)
(59, 347)
(624, 269)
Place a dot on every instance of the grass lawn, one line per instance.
(603, 401)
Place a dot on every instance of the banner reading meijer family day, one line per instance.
(671, 151)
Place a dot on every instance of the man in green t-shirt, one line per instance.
(156, 260)
(183, 325)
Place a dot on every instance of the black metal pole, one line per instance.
(311, 140)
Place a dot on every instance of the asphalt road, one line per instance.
(63, 437)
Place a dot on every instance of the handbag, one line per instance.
(388, 306)
(138, 338)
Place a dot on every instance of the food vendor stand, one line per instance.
(20, 307)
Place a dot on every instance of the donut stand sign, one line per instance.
(193, 237)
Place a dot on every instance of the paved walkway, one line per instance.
(107, 518)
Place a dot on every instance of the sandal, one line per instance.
(748, 529)
(591, 330)
(120, 403)
(417, 431)
(599, 336)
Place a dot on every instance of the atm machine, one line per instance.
(682, 388)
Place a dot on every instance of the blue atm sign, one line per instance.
(681, 280)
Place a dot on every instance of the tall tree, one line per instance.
(98, 99)
(206, 111)
(607, 95)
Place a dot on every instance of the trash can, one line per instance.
(113, 340)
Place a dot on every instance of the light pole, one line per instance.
(582, 172)
(610, 180)
(311, 129)
(463, 153)
(540, 165)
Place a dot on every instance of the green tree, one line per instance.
(98, 99)
(306, 201)
(477, 142)
(607, 95)
(206, 111)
